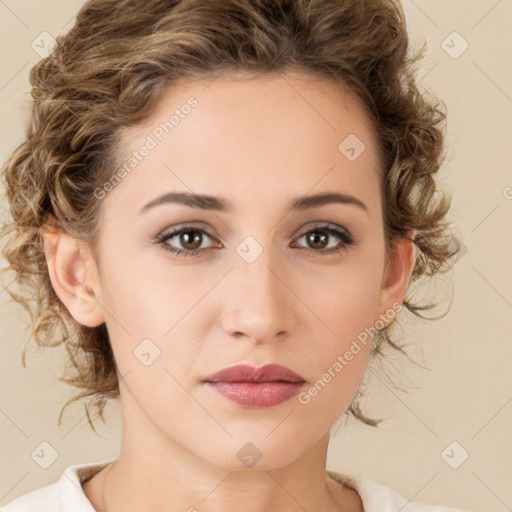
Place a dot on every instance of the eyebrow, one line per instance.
(206, 202)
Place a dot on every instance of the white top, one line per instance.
(67, 494)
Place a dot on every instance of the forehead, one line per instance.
(253, 135)
(291, 100)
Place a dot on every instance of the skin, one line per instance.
(258, 143)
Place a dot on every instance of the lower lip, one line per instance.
(257, 394)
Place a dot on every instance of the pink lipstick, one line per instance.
(254, 387)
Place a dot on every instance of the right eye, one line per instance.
(189, 237)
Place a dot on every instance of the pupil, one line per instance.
(314, 238)
(196, 240)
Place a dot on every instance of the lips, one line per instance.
(256, 387)
(246, 373)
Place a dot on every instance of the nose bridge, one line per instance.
(260, 305)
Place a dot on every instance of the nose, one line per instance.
(259, 303)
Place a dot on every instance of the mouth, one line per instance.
(254, 387)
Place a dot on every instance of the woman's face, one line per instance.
(268, 274)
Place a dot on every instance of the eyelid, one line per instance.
(175, 230)
(298, 233)
(347, 240)
(323, 224)
(167, 234)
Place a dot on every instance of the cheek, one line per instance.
(339, 358)
(343, 342)
(345, 307)
(154, 318)
(344, 298)
(148, 295)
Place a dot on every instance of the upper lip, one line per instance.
(247, 373)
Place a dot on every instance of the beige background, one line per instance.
(467, 399)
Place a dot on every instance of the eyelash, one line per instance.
(347, 239)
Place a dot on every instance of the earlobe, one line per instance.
(72, 271)
(397, 274)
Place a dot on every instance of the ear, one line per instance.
(74, 276)
(397, 275)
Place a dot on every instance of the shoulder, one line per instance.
(64, 495)
(379, 498)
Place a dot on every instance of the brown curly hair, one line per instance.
(110, 70)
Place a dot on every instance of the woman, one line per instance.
(219, 207)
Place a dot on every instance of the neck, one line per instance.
(155, 473)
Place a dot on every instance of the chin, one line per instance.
(255, 453)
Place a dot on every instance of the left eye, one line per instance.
(319, 236)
